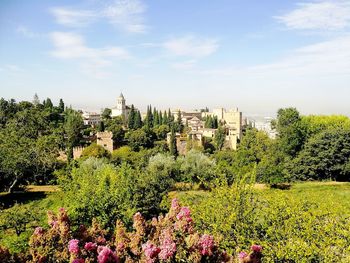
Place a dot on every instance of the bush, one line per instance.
(95, 150)
(99, 190)
(168, 238)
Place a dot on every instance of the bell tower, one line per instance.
(121, 103)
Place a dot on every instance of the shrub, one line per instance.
(99, 189)
(168, 238)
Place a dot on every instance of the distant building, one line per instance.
(121, 109)
(264, 124)
(91, 118)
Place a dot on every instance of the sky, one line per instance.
(256, 55)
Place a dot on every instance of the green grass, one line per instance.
(38, 202)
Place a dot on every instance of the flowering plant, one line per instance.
(168, 238)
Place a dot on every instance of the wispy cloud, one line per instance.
(191, 46)
(321, 15)
(327, 58)
(73, 18)
(72, 46)
(126, 15)
(11, 68)
(24, 31)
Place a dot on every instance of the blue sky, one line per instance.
(255, 55)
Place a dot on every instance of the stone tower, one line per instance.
(121, 103)
(120, 109)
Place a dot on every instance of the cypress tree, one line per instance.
(160, 118)
(48, 104)
(131, 118)
(101, 127)
(179, 122)
(61, 106)
(170, 118)
(138, 120)
(165, 118)
(215, 122)
(155, 118)
(172, 146)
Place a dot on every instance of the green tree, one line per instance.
(197, 168)
(94, 150)
(138, 120)
(219, 137)
(172, 145)
(36, 100)
(131, 118)
(61, 106)
(165, 118)
(72, 126)
(106, 114)
(290, 131)
(118, 132)
(325, 156)
(18, 218)
(138, 139)
(48, 104)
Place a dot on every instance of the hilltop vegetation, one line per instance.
(307, 223)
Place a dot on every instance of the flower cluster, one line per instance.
(207, 245)
(168, 238)
(73, 246)
(253, 257)
(151, 252)
(106, 255)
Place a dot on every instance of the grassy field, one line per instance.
(38, 202)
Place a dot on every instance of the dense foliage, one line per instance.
(144, 171)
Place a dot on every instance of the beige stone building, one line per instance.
(121, 109)
(105, 139)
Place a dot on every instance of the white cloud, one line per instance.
(74, 18)
(72, 46)
(325, 59)
(322, 15)
(191, 46)
(126, 15)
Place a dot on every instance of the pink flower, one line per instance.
(206, 244)
(38, 231)
(256, 248)
(175, 204)
(78, 260)
(185, 212)
(73, 246)
(151, 251)
(242, 255)
(106, 255)
(167, 245)
(90, 246)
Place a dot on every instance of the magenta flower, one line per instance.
(38, 231)
(242, 255)
(256, 248)
(206, 244)
(151, 252)
(90, 246)
(73, 246)
(167, 245)
(106, 255)
(78, 260)
(175, 204)
(185, 212)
